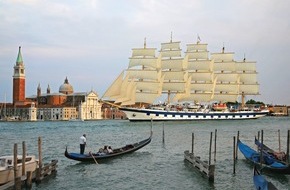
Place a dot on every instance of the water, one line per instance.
(157, 165)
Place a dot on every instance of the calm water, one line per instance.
(157, 165)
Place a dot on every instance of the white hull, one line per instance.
(7, 169)
(135, 114)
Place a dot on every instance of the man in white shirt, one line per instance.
(83, 142)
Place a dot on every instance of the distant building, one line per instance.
(64, 105)
(278, 110)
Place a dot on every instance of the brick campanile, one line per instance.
(19, 79)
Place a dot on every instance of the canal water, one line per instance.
(156, 166)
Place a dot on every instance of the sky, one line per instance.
(90, 41)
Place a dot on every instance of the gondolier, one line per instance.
(83, 142)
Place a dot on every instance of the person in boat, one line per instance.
(106, 149)
(83, 142)
(110, 150)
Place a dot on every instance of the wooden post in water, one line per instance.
(29, 179)
(163, 135)
(192, 143)
(234, 156)
(288, 144)
(23, 157)
(258, 135)
(261, 148)
(17, 180)
(38, 178)
(210, 145)
(215, 137)
(279, 140)
(236, 149)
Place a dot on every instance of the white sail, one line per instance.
(201, 76)
(227, 77)
(143, 52)
(114, 89)
(196, 97)
(225, 97)
(176, 64)
(224, 66)
(146, 97)
(246, 66)
(248, 78)
(203, 87)
(144, 74)
(170, 46)
(249, 89)
(174, 86)
(218, 57)
(200, 65)
(196, 47)
(175, 75)
(147, 62)
(197, 55)
(148, 86)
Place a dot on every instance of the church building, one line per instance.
(62, 105)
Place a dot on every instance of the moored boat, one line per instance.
(261, 182)
(266, 150)
(7, 167)
(100, 156)
(268, 163)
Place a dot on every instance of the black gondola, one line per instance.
(91, 157)
(260, 181)
(268, 162)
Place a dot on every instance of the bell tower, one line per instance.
(19, 79)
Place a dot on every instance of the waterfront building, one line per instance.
(63, 105)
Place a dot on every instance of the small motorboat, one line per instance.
(7, 167)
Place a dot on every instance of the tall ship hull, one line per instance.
(196, 77)
(135, 114)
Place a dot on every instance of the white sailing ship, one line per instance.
(193, 82)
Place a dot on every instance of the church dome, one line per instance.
(66, 88)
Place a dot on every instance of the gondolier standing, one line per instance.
(83, 142)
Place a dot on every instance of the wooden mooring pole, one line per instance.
(261, 148)
(163, 135)
(210, 145)
(234, 156)
(192, 143)
(236, 153)
(17, 180)
(23, 157)
(279, 141)
(38, 175)
(288, 145)
(215, 137)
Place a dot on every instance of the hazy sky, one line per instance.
(90, 41)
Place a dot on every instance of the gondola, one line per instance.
(261, 182)
(98, 157)
(266, 150)
(269, 163)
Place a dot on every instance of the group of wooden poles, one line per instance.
(29, 176)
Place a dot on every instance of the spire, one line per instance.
(171, 38)
(38, 90)
(48, 89)
(19, 57)
(65, 81)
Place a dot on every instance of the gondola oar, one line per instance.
(93, 157)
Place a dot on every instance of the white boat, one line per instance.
(7, 167)
(196, 77)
